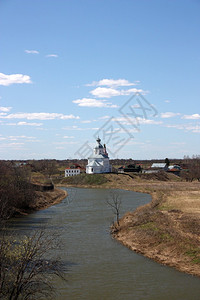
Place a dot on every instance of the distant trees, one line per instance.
(191, 169)
(25, 271)
(47, 167)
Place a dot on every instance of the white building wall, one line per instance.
(71, 172)
(99, 161)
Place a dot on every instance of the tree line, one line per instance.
(16, 190)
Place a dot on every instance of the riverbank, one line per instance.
(43, 200)
(166, 230)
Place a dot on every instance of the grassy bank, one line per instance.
(82, 180)
(167, 229)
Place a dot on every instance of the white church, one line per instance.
(99, 161)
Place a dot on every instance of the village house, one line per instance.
(156, 167)
(175, 169)
(74, 170)
(99, 161)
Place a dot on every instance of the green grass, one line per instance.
(85, 179)
(149, 225)
(194, 253)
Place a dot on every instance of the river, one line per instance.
(99, 266)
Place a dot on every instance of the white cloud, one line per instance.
(66, 117)
(14, 78)
(135, 123)
(149, 122)
(16, 144)
(186, 127)
(17, 137)
(132, 91)
(65, 143)
(167, 101)
(89, 102)
(112, 83)
(104, 117)
(191, 117)
(169, 115)
(103, 92)
(51, 55)
(39, 116)
(68, 137)
(28, 124)
(86, 121)
(74, 127)
(31, 51)
(5, 109)
(23, 124)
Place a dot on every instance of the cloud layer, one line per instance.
(39, 116)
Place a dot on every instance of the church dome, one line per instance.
(99, 144)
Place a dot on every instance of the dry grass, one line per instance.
(186, 201)
(168, 229)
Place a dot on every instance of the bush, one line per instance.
(25, 273)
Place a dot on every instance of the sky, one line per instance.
(127, 71)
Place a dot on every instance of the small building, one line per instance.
(159, 166)
(175, 169)
(133, 169)
(156, 167)
(72, 172)
(99, 161)
(120, 169)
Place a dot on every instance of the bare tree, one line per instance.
(25, 271)
(192, 169)
(16, 191)
(114, 201)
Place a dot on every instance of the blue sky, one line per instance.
(128, 71)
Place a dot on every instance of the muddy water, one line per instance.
(100, 267)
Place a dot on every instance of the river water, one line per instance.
(99, 267)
